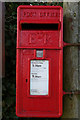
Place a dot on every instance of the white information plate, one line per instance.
(39, 77)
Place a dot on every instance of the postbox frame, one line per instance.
(60, 47)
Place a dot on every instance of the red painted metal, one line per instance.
(51, 42)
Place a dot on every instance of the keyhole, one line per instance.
(26, 80)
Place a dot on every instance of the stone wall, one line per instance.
(71, 60)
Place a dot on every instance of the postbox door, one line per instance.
(44, 102)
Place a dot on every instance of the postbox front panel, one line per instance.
(39, 89)
(39, 38)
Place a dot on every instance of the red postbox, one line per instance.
(39, 63)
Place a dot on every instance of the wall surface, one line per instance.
(71, 60)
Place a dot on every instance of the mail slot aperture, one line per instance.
(35, 26)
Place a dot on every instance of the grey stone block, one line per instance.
(71, 60)
(79, 70)
(70, 69)
(71, 53)
(70, 107)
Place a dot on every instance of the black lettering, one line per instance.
(38, 76)
(37, 65)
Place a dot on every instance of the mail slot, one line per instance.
(39, 61)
